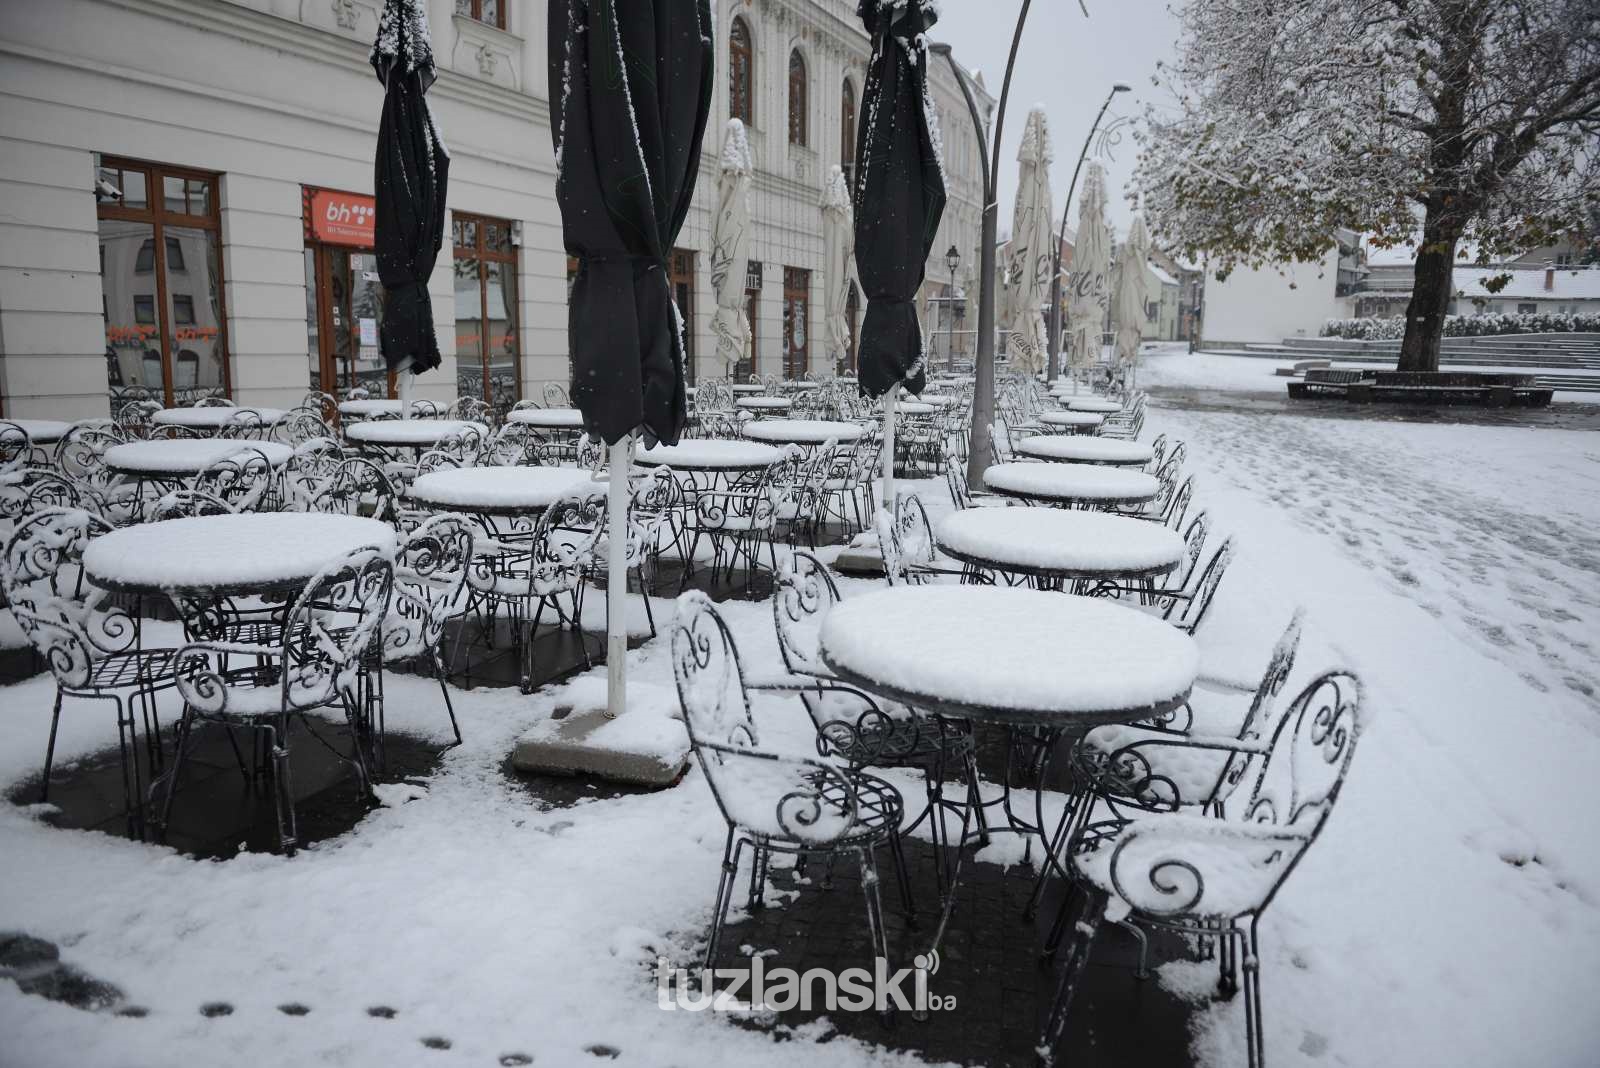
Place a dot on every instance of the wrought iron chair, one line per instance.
(246, 480)
(314, 463)
(430, 576)
(555, 395)
(213, 400)
(738, 518)
(80, 456)
(545, 570)
(357, 487)
(28, 489)
(1212, 877)
(847, 490)
(800, 500)
(961, 492)
(910, 555)
(316, 662)
(1186, 608)
(851, 725)
(513, 445)
(90, 643)
(303, 424)
(16, 447)
(468, 408)
(773, 802)
(134, 418)
(245, 423)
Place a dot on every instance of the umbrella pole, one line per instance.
(889, 399)
(617, 579)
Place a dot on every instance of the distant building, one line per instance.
(1269, 304)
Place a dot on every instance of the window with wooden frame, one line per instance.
(161, 282)
(489, 12)
(847, 130)
(681, 275)
(796, 316)
(488, 347)
(799, 99)
(741, 72)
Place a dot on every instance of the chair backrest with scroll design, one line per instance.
(70, 623)
(429, 575)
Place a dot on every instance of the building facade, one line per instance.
(188, 196)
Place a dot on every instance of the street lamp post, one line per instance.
(952, 260)
(1055, 274)
(978, 451)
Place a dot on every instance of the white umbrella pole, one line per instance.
(888, 447)
(617, 580)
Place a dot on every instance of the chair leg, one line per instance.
(132, 782)
(1083, 932)
(50, 749)
(185, 725)
(719, 915)
(1227, 961)
(759, 860)
(277, 740)
(1252, 996)
(875, 928)
(444, 689)
(902, 876)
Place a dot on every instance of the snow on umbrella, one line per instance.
(634, 80)
(1130, 292)
(838, 240)
(1029, 261)
(899, 192)
(730, 246)
(410, 176)
(1090, 264)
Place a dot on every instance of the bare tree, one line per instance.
(1297, 117)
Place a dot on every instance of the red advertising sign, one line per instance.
(341, 218)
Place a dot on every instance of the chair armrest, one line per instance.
(1181, 864)
(782, 796)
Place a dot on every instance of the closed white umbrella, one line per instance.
(1029, 253)
(1131, 292)
(839, 248)
(1090, 265)
(730, 247)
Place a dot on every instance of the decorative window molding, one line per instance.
(486, 52)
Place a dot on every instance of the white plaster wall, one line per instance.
(1271, 304)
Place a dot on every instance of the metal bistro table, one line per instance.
(166, 465)
(1092, 404)
(1047, 668)
(1068, 484)
(1076, 449)
(1050, 547)
(210, 418)
(760, 406)
(807, 433)
(1072, 422)
(548, 418)
(711, 456)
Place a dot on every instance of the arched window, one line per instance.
(741, 72)
(797, 99)
(847, 129)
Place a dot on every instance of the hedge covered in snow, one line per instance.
(1370, 329)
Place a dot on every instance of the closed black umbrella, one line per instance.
(409, 179)
(633, 81)
(899, 192)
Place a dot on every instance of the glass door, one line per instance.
(343, 334)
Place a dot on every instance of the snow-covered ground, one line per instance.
(1450, 914)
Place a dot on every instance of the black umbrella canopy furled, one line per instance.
(633, 79)
(410, 176)
(899, 192)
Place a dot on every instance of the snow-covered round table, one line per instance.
(710, 454)
(499, 490)
(1075, 422)
(1075, 449)
(1092, 404)
(803, 431)
(212, 416)
(410, 433)
(164, 460)
(41, 431)
(914, 408)
(548, 418)
(1050, 544)
(1068, 483)
(373, 407)
(1010, 655)
(746, 389)
(760, 405)
(228, 555)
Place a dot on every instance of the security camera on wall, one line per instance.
(104, 190)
